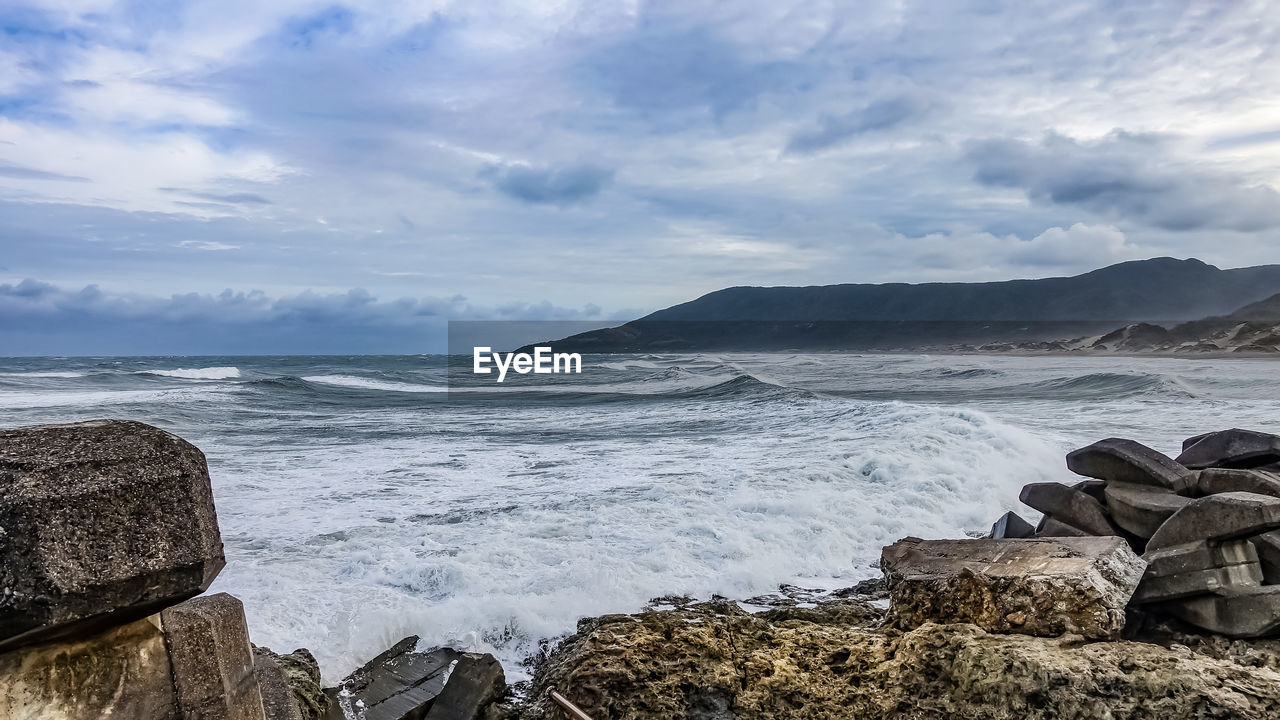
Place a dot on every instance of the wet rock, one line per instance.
(1220, 480)
(301, 675)
(1069, 506)
(399, 684)
(122, 673)
(103, 522)
(1119, 460)
(474, 683)
(1142, 509)
(1198, 582)
(830, 612)
(212, 660)
(1267, 546)
(871, 588)
(1235, 612)
(1035, 586)
(277, 697)
(1200, 555)
(1233, 448)
(1011, 525)
(1219, 517)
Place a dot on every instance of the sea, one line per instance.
(364, 499)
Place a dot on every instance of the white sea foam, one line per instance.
(209, 373)
(352, 381)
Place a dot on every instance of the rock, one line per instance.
(1234, 612)
(1142, 509)
(1011, 525)
(1218, 517)
(277, 697)
(1051, 527)
(122, 672)
(399, 684)
(1199, 555)
(706, 665)
(1198, 582)
(300, 674)
(474, 683)
(1095, 489)
(212, 660)
(1267, 546)
(1220, 480)
(1233, 448)
(104, 523)
(1120, 460)
(1069, 506)
(1035, 586)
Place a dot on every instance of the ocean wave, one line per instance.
(960, 373)
(362, 383)
(45, 374)
(209, 373)
(1115, 385)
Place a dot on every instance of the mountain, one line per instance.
(1160, 291)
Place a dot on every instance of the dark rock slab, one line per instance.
(1233, 448)
(1095, 489)
(1032, 586)
(1267, 545)
(1198, 582)
(399, 684)
(1011, 525)
(1219, 480)
(1223, 516)
(1070, 506)
(212, 660)
(1234, 612)
(104, 522)
(1120, 460)
(1051, 527)
(474, 683)
(1142, 509)
(1200, 555)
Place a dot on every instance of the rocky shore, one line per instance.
(1149, 589)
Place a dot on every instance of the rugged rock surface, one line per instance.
(716, 662)
(103, 522)
(302, 675)
(1034, 586)
(212, 660)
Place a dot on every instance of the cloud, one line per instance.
(25, 173)
(835, 129)
(564, 185)
(1131, 177)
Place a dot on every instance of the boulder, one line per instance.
(1218, 517)
(1199, 555)
(1220, 480)
(208, 645)
(1235, 612)
(104, 523)
(1011, 525)
(1050, 527)
(277, 697)
(1120, 460)
(399, 684)
(1070, 506)
(1142, 509)
(122, 672)
(1095, 489)
(1267, 545)
(1233, 448)
(1034, 586)
(1198, 582)
(474, 683)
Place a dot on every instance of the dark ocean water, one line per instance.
(360, 502)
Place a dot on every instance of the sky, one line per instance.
(250, 176)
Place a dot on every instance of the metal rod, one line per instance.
(569, 708)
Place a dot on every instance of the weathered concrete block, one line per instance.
(1119, 460)
(103, 522)
(278, 702)
(1142, 509)
(212, 659)
(1095, 489)
(1267, 545)
(474, 683)
(122, 672)
(1234, 612)
(1218, 517)
(1219, 480)
(1034, 586)
(1200, 555)
(399, 684)
(1233, 448)
(1011, 525)
(1197, 582)
(1050, 527)
(1069, 506)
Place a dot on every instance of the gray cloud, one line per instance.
(1131, 177)
(26, 173)
(835, 129)
(563, 185)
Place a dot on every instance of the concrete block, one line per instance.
(1220, 480)
(474, 683)
(1070, 506)
(1233, 448)
(1219, 517)
(1011, 525)
(1234, 612)
(1267, 546)
(1199, 555)
(399, 684)
(1142, 509)
(1197, 582)
(212, 659)
(1120, 460)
